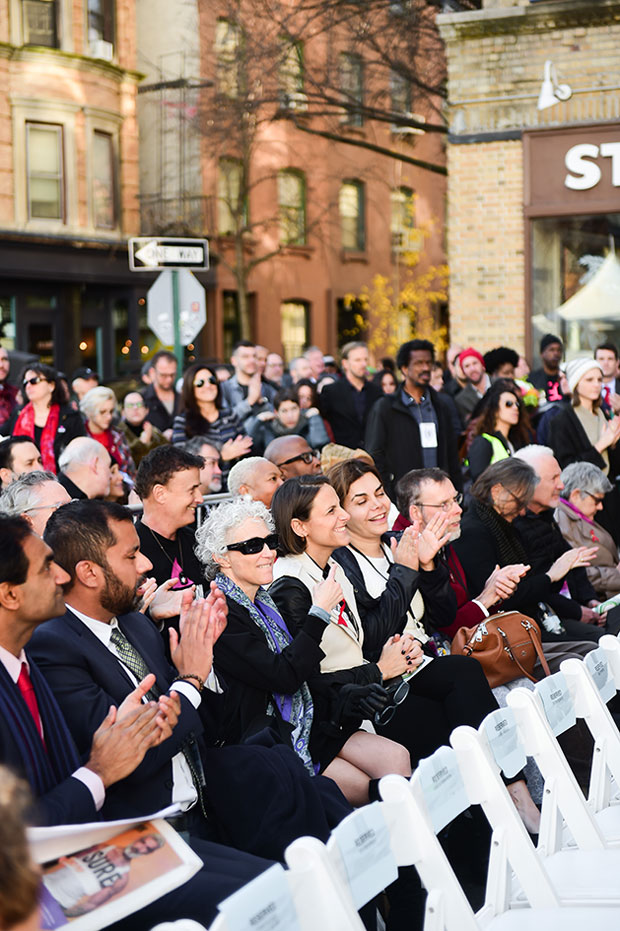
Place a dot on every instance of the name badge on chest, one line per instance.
(428, 435)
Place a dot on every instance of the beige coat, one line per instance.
(603, 574)
(341, 645)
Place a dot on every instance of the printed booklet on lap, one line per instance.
(93, 875)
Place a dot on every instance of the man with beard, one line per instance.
(413, 426)
(90, 657)
(420, 494)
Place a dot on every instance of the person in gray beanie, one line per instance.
(582, 432)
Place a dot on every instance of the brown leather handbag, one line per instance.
(506, 644)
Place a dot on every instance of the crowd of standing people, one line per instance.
(295, 632)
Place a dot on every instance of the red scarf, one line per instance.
(24, 426)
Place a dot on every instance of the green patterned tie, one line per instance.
(132, 659)
(128, 655)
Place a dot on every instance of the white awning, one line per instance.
(599, 299)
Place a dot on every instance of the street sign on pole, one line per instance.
(148, 253)
(176, 309)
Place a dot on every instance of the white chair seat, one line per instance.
(554, 919)
(582, 875)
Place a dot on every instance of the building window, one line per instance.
(232, 213)
(294, 316)
(45, 171)
(352, 85)
(104, 181)
(402, 219)
(351, 206)
(227, 50)
(291, 76)
(40, 23)
(400, 93)
(292, 207)
(100, 20)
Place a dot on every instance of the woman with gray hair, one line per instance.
(98, 406)
(585, 487)
(272, 676)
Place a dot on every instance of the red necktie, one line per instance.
(24, 683)
(606, 393)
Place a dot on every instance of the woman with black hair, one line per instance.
(47, 417)
(202, 414)
(502, 427)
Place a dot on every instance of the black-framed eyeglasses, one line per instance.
(303, 457)
(445, 505)
(212, 380)
(596, 498)
(517, 500)
(398, 694)
(35, 380)
(254, 545)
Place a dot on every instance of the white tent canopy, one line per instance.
(599, 299)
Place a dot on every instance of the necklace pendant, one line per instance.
(183, 580)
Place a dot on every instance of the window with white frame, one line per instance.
(104, 181)
(292, 207)
(40, 22)
(231, 199)
(45, 182)
(352, 221)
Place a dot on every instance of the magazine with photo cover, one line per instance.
(96, 882)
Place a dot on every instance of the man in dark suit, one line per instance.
(36, 743)
(91, 657)
(412, 428)
(347, 402)
(607, 356)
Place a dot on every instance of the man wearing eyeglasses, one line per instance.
(34, 496)
(293, 456)
(421, 493)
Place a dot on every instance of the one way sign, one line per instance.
(147, 254)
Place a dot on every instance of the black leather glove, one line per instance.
(357, 702)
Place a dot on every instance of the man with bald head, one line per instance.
(293, 456)
(85, 468)
(257, 477)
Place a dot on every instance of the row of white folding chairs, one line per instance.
(556, 885)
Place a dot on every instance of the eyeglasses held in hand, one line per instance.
(398, 694)
(303, 457)
(254, 545)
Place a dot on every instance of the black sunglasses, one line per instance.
(305, 457)
(209, 381)
(398, 694)
(35, 380)
(254, 545)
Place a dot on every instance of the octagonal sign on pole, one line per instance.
(176, 297)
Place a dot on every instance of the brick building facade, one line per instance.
(527, 227)
(69, 183)
(322, 210)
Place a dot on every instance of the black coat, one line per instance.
(439, 599)
(70, 425)
(393, 440)
(570, 443)
(157, 412)
(544, 543)
(337, 403)
(479, 552)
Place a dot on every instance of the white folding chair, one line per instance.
(307, 893)
(416, 812)
(592, 684)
